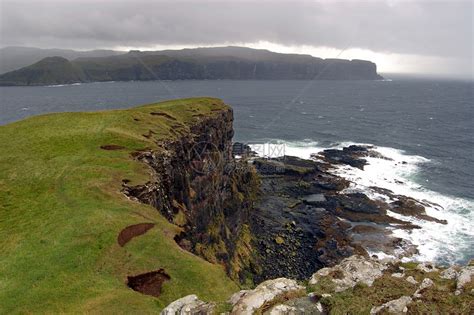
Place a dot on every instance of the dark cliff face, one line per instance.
(198, 185)
(195, 64)
(252, 223)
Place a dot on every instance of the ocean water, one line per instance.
(428, 124)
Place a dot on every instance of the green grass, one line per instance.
(61, 211)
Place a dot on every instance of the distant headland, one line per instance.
(216, 63)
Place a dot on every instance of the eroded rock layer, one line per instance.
(197, 184)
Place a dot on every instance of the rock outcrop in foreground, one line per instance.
(358, 285)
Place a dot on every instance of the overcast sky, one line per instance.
(423, 36)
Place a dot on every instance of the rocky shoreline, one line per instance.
(306, 218)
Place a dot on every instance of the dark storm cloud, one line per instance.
(436, 28)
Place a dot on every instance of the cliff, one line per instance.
(235, 63)
(197, 184)
(130, 210)
(71, 236)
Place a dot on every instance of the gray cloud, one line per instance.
(434, 28)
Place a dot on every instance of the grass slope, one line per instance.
(61, 211)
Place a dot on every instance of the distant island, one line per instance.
(217, 63)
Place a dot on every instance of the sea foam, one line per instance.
(399, 172)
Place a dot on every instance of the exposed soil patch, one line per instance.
(148, 283)
(163, 115)
(133, 230)
(111, 147)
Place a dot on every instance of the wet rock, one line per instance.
(350, 156)
(312, 237)
(188, 305)
(408, 206)
(287, 165)
(358, 207)
(359, 202)
(314, 199)
(366, 229)
(318, 238)
(351, 271)
(332, 183)
(264, 293)
(397, 306)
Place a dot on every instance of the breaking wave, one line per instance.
(399, 172)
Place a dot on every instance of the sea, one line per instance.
(424, 127)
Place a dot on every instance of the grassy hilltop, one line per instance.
(61, 211)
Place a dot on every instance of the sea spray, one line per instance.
(397, 171)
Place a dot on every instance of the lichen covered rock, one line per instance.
(188, 305)
(266, 292)
(397, 306)
(351, 271)
(362, 285)
(464, 277)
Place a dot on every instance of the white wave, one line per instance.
(62, 85)
(448, 243)
(302, 149)
(104, 82)
(436, 242)
(277, 148)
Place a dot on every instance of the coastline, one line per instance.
(443, 244)
(142, 197)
